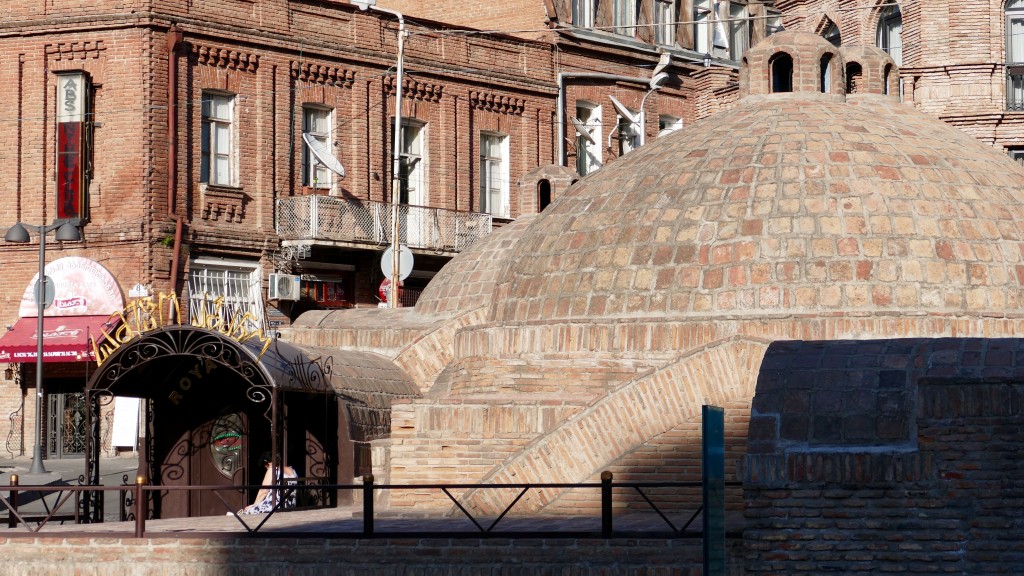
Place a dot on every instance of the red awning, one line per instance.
(65, 338)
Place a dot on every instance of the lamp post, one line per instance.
(396, 150)
(66, 232)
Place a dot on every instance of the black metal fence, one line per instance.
(59, 504)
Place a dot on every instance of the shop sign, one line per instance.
(150, 313)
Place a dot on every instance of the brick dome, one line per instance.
(781, 207)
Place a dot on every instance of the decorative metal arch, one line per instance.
(184, 340)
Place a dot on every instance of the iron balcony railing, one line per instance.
(1015, 87)
(329, 218)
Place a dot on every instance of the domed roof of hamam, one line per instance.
(794, 203)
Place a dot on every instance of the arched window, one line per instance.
(782, 72)
(1015, 55)
(887, 79)
(826, 73)
(831, 34)
(890, 26)
(543, 194)
(853, 74)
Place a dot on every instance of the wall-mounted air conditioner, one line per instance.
(284, 287)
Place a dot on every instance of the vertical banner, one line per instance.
(72, 108)
(713, 481)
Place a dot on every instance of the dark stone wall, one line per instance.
(887, 457)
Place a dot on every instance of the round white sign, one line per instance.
(404, 262)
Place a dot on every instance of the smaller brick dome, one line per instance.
(793, 62)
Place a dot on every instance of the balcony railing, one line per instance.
(328, 218)
(1015, 87)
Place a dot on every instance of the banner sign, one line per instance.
(73, 88)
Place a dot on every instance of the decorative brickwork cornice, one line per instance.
(224, 58)
(319, 74)
(415, 89)
(225, 203)
(496, 103)
(74, 50)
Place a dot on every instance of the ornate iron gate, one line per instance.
(66, 424)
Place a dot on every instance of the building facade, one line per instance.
(229, 167)
(961, 63)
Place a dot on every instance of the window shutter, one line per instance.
(756, 12)
(684, 30)
(646, 17)
(603, 19)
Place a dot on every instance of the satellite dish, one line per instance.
(581, 129)
(624, 112)
(323, 154)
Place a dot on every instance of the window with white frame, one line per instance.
(624, 16)
(588, 142)
(668, 124)
(583, 13)
(739, 30)
(217, 140)
(665, 22)
(629, 134)
(225, 289)
(494, 163)
(412, 163)
(702, 26)
(1015, 55)
(316, 121)
(890, 27)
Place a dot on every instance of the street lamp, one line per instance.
(396, 151)
(66, 232)
(657, 77)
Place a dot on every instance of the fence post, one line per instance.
(12, 520)
(606, 504)
(368, 504)
(140, 508)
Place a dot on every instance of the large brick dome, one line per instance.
(792, 203)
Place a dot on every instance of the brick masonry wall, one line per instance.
(313, 557)
(887, 457)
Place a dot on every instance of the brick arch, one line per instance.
(641, 410)
(424, 358)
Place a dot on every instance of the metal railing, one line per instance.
(502, 525)
(318, 217)
(1015, 87)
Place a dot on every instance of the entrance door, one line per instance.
(66, 425)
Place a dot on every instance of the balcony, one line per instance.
(330, 219)
(1015, 87)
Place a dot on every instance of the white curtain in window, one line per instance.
(1015, 51)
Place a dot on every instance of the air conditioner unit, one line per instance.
(284, 287)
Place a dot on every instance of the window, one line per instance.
(216, 166)
(226, 289)
(629, 134)
(624, 16)
(1017, 154)
(831, 34)
(1015, 55)
(773, 23)
(782, 72)
(412, 164)
(588, 138)
(317, 123)
(664, 22)
(668, 124)
(739, 30)
(826, 73)
(494, 174)
(702, 26)
(583, 13)
(890, 25)
(854, 71)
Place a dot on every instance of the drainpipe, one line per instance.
(561, 99)
(174, 40)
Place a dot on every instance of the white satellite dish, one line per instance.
(624, 112)
(581, 129)
(323, 154)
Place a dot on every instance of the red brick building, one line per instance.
(960, 62)
(201, 149)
